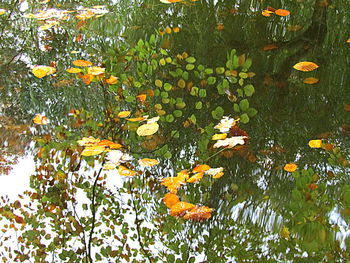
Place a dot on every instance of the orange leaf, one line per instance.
(123, 114)
(137, 119)
(311, 80)
(112, 80)
(290, 167)
(141, 98)
(266, 13)
(201, 168)
(198, 213)
(282, 12)
(180, 208)
(173, 183)
(82, 63)
(115, 146)
(346, 107)
(220, 27)
(41, 119)
(305, 66)
(195, 178)
(87, 78)
(269, 47)
(170, 199)
(348, 41)
(73, 70)
(146, 162)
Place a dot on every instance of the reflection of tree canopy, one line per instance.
(261, 213)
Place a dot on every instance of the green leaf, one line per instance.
(164, 94)
(235, 62)
(164, 52)
(198, 105)
(211, 80)
(249, 90)
(252, 112)
(220, 89)
(140, 43)
(241, 82)
(236, 108)
(177, 113)
(194, 91)
(167, 86)
(240, 92)
(244, 118)
(218, 113)
(158, 83)
(169, 118)
(202, 93)
(185, 75)
(247, 64)
(208, 71)
(243, 75)
(190, 60)
(193, 119)
(129, 98)
(244, 105)
(189, 66)
(220, 70)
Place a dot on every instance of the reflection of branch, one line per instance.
(138, 227)
(93, 211)
(84, 239)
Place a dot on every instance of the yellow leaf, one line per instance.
(282, 12)
(219, 136)
(96, 70)
(124, 114)
(147, 129)
(198, 213)
(146, 162)
(176, 29)
(123, 171)
(2, 11)
(93, 150)
(173, 183)
(90, 141)
(310, 80)
(305, 66)
(73, 70)
(41, 119)
(215, 172)
(109, 166)
(168, 30)
(195, 178)
(180, 208)
(315, 143)
(170, 199)
(290, 167)
(82, 63)
(137, 119)
(42, 71)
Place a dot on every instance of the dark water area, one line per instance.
(82, 86)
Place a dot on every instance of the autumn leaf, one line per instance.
(93, 150)
(170, 199)
(310, 80)
(315, 143)
(173, 183)
(348, 40)
(200, 168)
(225, 124)
(73, 70)
(40, 119)
(198, 213)
(112, 80)
(215, 172)
(147, 129)
(123, 114)
(95, 71)
(88, 141)
(123, 171)
(82, 63)
(230, 142)
(2, 11)
(305, 66)
(179, 209)
(109, 166)
(87, 79)
(176, 29)
(195, 178)
(42, 71)
(282, 12)
(141, 98)
(146, 162)
(269, 47)
(266, 13)
(219, 136)
(220, 27)
(290, 167)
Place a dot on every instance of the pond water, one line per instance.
(175, 131)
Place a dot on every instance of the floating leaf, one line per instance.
(40, 119)
(305, 66)
(170, 199)
(282, 12)
(147, 129)
(215, 172)
(96, 71)
(290, 167)
(180, 208)
(219, 136)
(311, 80)
(109, 166)
(73, 70)
(124, 114)
(88, 141)
(93, 150)
(42, 71)
(2, 11)
(200, 168)
(138, 119)
(315, 143)
(230, 142)
(225, 124)
(112, 80)
(123, 171)
(195, 178)
(173, 183)
(82, 63)
(146, 162)
(198, 213)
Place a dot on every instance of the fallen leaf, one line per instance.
(311, 80)
(138, 119)
(315, 143)
(215, 172)
(93, 150)
(348, 41)
(109, 166)
(305, 66)
(269, 47)
(290, 167)
(88, 141)
(40, 119)
(141, 98)
(220, 27)
(123, 171)
(219, 136)
(266, 13)
(230, 142)
(195, 178)
(282, 12)
(42, 71)
(123, 114)
(73, 70)
(170, 199)
(225, 124)
(176, 29)
(173, 183)
(87, 79)
(2, 11)
(96, 71)
(82, 63)
(346, 107)
(112, 80)
(146, 162)
(147, 129)
(201, 168)
(179, 209)
(198, 213)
